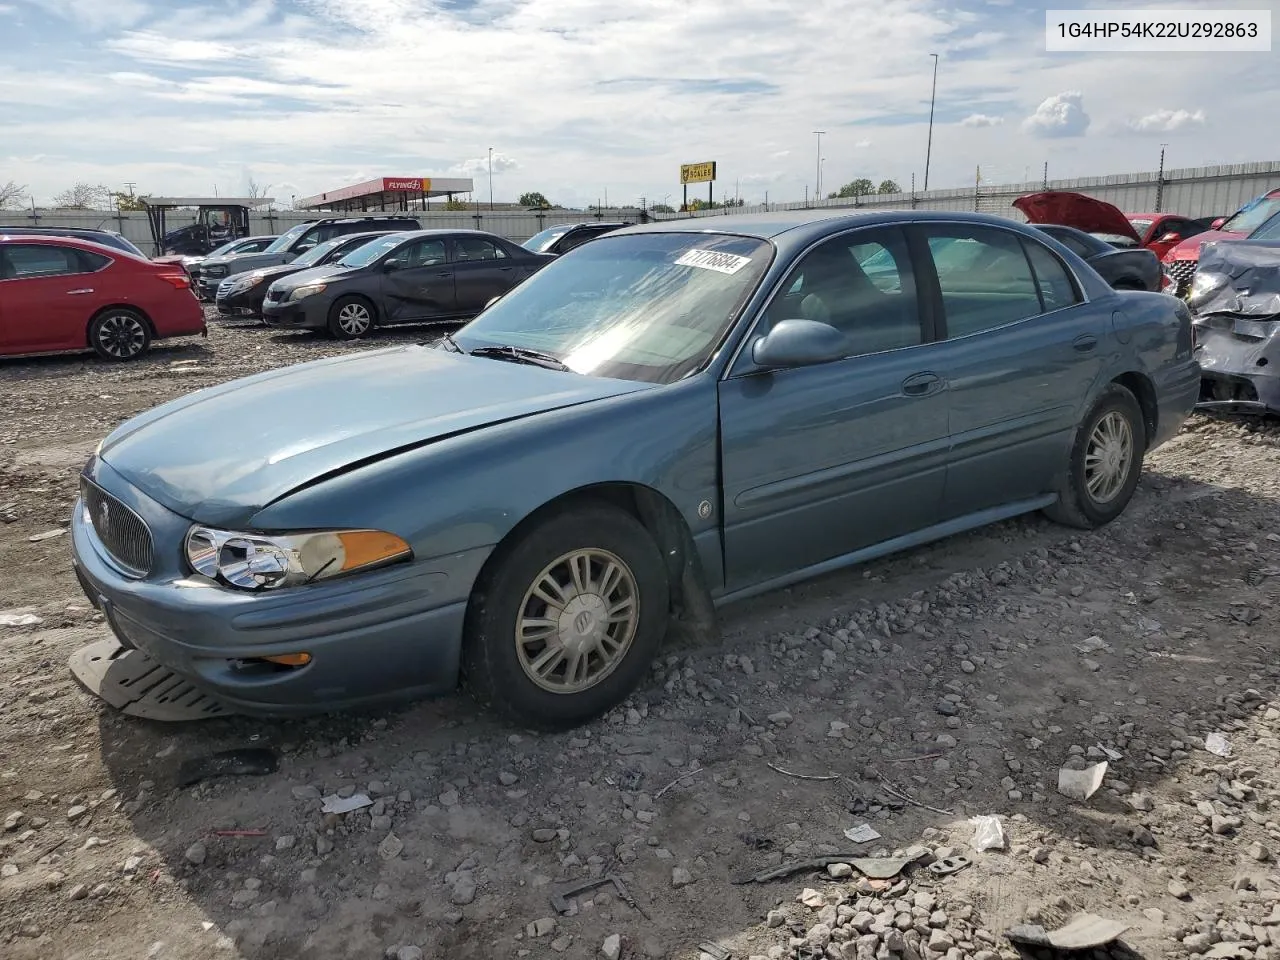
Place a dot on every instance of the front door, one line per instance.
(417, 282)
(821, 461)
(484, 271)
(47, 294)
(1021, 353)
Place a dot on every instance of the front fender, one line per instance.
(470, 491)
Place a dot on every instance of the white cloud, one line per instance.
(1167, 121)
(1061, 115)
(327, 92)
(981, 120)
(479, 167)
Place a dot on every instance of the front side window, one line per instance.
(423, 253)
(984, 277)
(20, 261)
(367, 254)
(652, 307)
(861, 284)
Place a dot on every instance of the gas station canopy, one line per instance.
(388, 193)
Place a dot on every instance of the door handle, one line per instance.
(1085, 342)
(921, 384)
(443, 275)
(80, 292)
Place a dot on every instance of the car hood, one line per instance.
(1240, 278)
(219, 455)
(300, 278)
(1076, 210)
(1189, 249)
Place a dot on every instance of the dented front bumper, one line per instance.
(1240, 364)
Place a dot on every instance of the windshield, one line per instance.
(1268, 231)
(1253, 216)
(228, 247)
(1140, 226)
(649, 306)
(364, 255)
(541, 242)
(318, 252)
(285, 240)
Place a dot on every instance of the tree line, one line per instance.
(863, 187)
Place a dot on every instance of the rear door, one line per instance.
(483, 271)
(48, 293)
(821, 461)
(418, 283)
(1022, 351)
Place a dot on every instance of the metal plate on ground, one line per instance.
(138, 686)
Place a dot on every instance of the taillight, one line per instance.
(180, 281)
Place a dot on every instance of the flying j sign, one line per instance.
(412, 185)
(698, 172)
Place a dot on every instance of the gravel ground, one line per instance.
(911, 695)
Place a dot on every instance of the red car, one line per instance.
(60, 293)
(1180, 262)
(1158, 232)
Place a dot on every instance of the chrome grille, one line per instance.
(1181, 272)
(225, 287)
(123, 533)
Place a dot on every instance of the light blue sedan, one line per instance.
(666, 419)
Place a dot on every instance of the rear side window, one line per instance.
(984, 278)
(92, 262)
(472, 248)
(21, 261)
(1052, 280)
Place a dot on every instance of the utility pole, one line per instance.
(1160, 179)
(913, 189)
(817, 193)
(131, 184)
(822, 161)
(928, 150)
(491, 178)
(1045, 184)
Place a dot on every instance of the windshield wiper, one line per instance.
(450, 344)
(521, 355)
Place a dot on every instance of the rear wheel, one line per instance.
(567, 620)
(350, 318)
(119, 334)
(1105, 464)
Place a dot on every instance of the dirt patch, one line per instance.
(955, 678)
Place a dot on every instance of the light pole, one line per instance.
(1160, 179)
(491, 178)
(822, 162)
(928, 150)
(817, 193)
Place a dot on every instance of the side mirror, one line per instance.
(799, 343)
(1217, 224)
(1171, 237)
(390, 266)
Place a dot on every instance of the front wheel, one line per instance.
(119, 334)
(350, 318)
(567, 620)
(1105, 464)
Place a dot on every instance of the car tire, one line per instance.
(351, 318)
(119, 334)
(510, 638)
(1105, 464)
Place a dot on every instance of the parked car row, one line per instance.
(666, 419)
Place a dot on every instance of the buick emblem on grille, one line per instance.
(104, 513)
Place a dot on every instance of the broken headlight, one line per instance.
(255, 561)
(1204, 284)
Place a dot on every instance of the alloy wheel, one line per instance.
(122, 335)
(354, 319)
(577, 621)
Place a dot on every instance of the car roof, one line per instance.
(35, 230)
(802, 226)
(451, 232)
(51, 239)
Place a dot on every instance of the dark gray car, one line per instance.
(1124, 268)
(405, 277)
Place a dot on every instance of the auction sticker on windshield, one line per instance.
(713, 260)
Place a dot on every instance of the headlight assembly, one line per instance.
(308, 290)
(248, 282)
(254, 561)
(1204, 284)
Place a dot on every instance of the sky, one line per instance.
(584, 100)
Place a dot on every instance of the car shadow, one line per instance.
(160, 353)
(461, 790)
